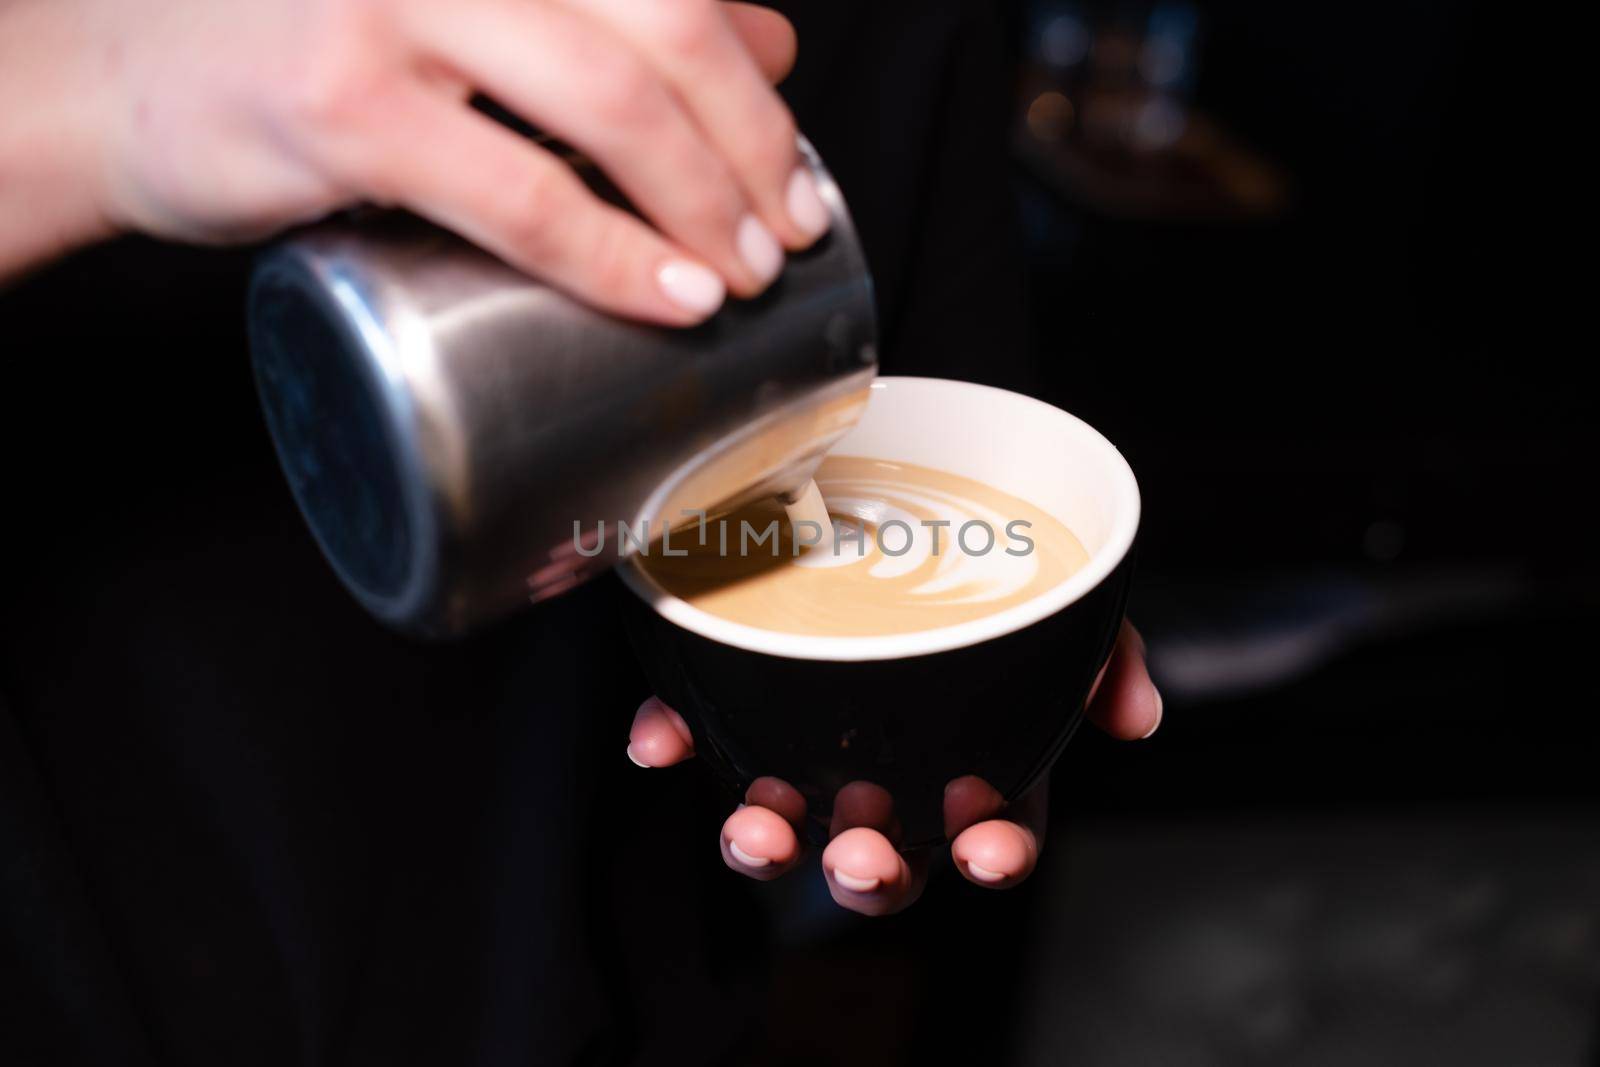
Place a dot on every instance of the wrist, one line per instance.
(51, 170)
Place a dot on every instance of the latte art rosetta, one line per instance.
(913, 549)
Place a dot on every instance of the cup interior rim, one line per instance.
(1102, 562)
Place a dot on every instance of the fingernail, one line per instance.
(854, 884)
(1157, 724)
(984, 874)
(806, 208)
(759, 249)
(637, 761)
(745, 858)
(692, 287)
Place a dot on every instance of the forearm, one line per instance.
(49, 161)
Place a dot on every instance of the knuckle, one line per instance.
(329, 94)
(687, 28)
(713, 204)
(610, 260)
(333, 82)
(533, 224)
(624, 91)
(774, 150)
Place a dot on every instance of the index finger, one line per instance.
(696, 49)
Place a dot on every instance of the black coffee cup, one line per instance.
(997, 697)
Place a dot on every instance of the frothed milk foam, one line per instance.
(886, 572)
(809, 507)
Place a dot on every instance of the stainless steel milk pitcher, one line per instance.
(455, 431)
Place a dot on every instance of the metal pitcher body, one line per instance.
(455, 432)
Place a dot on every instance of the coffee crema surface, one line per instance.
(888, 570)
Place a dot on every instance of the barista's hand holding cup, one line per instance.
(912, 682)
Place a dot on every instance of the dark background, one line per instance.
(1367, 831)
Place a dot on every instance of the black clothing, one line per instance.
(242, 824)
